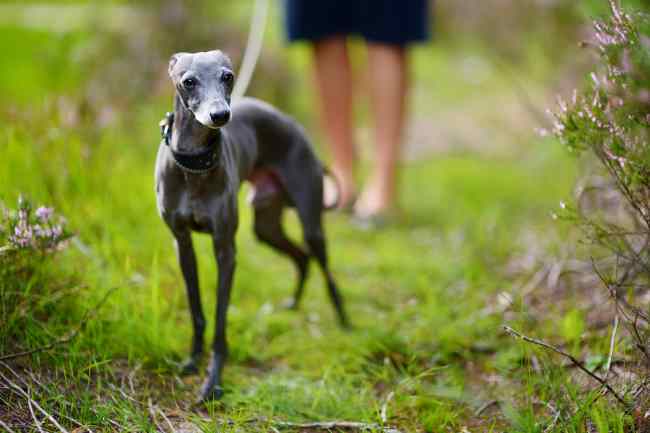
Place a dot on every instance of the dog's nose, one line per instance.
(220, 117)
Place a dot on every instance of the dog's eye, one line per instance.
(227, 77)
(189, 83)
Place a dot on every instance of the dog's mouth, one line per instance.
(218, 125)
(213, 119)
(213, 125)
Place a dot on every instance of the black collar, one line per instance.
(199, 162)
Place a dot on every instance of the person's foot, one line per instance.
(375, 201)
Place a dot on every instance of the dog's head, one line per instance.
(204, 82)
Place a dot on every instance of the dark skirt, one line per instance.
(395, 22)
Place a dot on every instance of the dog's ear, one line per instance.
(173, 61)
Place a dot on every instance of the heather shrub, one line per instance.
(30, 239)
(36, 231)
(609, 119)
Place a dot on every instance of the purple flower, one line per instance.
(57, 232)
(39, 233)
(23, 236)
(44, 213)
(42, 232)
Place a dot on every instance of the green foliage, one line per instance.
(22, 83)
(573, 325)
(598, 9)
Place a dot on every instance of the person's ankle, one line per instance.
(373, 203)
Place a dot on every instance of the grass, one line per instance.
(417, 291)
(427, 346)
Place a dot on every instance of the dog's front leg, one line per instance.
(224, 250)
(187, 261)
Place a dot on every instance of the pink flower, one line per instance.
(44, 213)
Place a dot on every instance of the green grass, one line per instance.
(416, 291)
(419, 292)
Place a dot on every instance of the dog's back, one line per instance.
(271, 141)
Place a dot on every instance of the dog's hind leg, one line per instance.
(268, 229)
(309, 205)
(316, 242)
(187, 261)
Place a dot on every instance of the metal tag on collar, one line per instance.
(166, 127)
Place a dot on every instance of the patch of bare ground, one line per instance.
(166, 400)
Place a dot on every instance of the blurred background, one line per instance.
(101, 61)
(83, 85)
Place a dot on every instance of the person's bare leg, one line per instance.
(388, 76)
(334, 82)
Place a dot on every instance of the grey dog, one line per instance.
(208, 149)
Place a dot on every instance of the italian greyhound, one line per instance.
(208, 149)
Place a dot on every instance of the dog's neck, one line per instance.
(188, 135)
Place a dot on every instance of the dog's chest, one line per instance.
(197, 206)
(194, 211)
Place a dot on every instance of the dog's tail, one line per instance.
(331, 190)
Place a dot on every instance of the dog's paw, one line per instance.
(189, 367)
(210, 393)
(345, 325)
